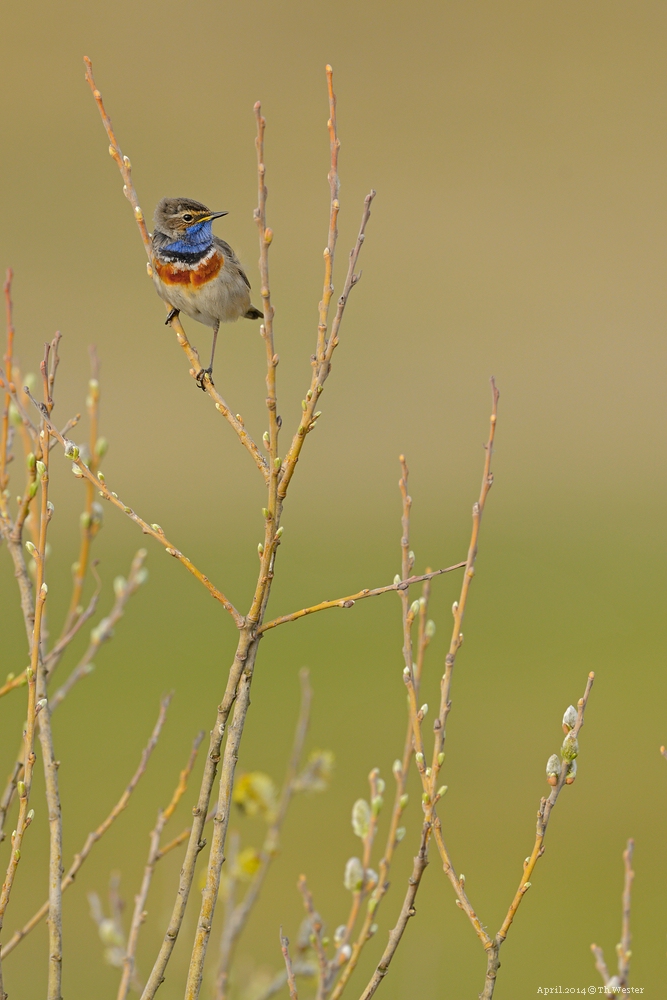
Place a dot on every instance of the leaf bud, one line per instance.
(571, 772)
(119, 586)
(361, 818)
(30, 460)
(41, 468)
(569, 718)
(101, 447)
(260, 550)
(30, 547)
(429, 631)
(277, 462)
(373, 929)
(426, 798)
(380, 785)
(371, 878)
(397, 580)
(100, 476)
(414, 608)
(32, 489)
(339, 934)
(156, 527)
(345, 952)
(20, 788)
(424, 709)
(397, 769)
(553, 769)
(50, 507)
(353, 879)
(442, 791)
(419, 757)
(441, 758)
(377, 804)
(570, 748)
(403, 801)
(279, 532)
(266, 513)
(44, 590)
(77, 471)
(41, 704)
(31, 815)
(400, 833)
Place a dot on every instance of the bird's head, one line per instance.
(182, 217)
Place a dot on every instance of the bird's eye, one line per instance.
(187, 217)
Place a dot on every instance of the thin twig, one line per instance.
(615, 984)
(139, 914)
(291, 981)
(155, 531)
(93, 837)
(316, 928)
(350, 601)
(543, 816)
(238, 916)
(407, 911)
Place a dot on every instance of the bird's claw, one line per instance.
(173, 313)
(204, 375)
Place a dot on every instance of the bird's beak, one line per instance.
(213, 215)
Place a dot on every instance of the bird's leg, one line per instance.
(173, 313)
(208, 371)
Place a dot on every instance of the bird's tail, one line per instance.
(254, 313)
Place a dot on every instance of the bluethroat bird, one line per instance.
(197, 273)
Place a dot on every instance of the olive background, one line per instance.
(518, 153)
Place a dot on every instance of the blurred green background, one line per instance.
(518, 152)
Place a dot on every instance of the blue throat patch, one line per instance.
(197, 239)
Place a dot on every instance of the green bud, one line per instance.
(32, 489)
(414, 608)
(17, 855)
(85, 520)
(353, 879)
(119, 586)
(397, 580)
(41, 468)
(426, 798)
(101, 447)
(304, 404)
(372, 905)
(44, 589)
(260, 549)
(30, 547)
(50, 507)
(14, 415)
(400, 833)
(29, 674)
(397, 768)
(361, 818)
(265, 437)
(373, 929)
(442, 791)
(429, 631)
(441, 759)
(31, 815)
(156, 527)
(20, 788)
(30, 460)
(279, 532)
(71, 450)
(424, 709)
(419, 757)
(100, 476)
(377, 804)
(403, 801)
(77, 471)
(570, 748)
(380, 786)
(277, 462)
(266, 513)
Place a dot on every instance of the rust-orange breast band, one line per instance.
(173, 274)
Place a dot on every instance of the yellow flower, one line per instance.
(255, 795)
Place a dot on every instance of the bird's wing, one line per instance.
(231, 257)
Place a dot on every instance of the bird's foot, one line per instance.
(204, 375)
(173, 313)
